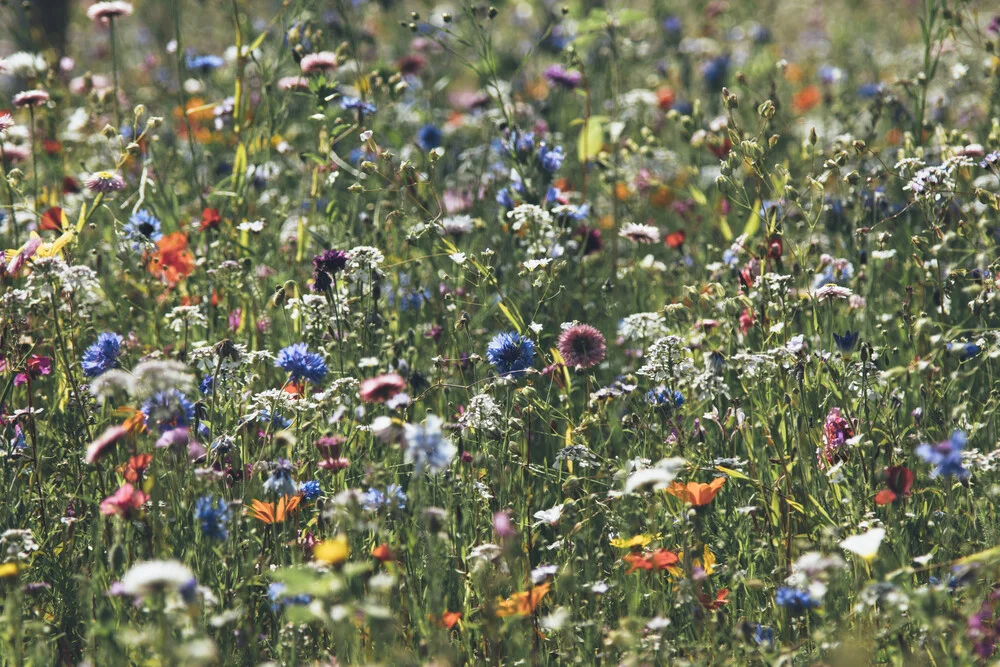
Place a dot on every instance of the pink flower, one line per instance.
(123, 501)
(105, 11)
(6, 122)
(381, 388)
(582, 346)
(98, 448)
(324, 61)
(837, 430)
(293, 82)
(30, 98)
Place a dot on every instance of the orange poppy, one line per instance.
(661, 559)
(269, 513)
(696, 493)
(173, 261)
(806, 99)
(382, 553)
(448, 619)
(135, 467)
(524, 603)
(665, 98)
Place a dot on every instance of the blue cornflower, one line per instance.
(265, 417)
(715, 71)
(846, 342)
(511, 353)
(661, 397)
(356, 104)
(764, 636)
(310, 490)
(393, 495)
(966, 350)
(869, 90)
(301, 364)
(504, 198)
(102, 355)
(142, 229)
(673, 26)
(203, 64)
(429, 137)
(796, 600)
(168, 410)
(213, 515)
(206, 385)
(275, 592)
(946, 456)
(427, 447)
(550, 158)
(280, 483)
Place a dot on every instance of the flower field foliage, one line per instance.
(409, 333)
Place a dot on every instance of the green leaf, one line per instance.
(753, 222)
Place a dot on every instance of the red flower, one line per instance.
(661, 559)
(899, 479)
(675, 239)
(132, 471)
(173, 261)
(382, 553)
(210, 219)
(746, 320)
(53, 220)
(714, 603)
(775, 248)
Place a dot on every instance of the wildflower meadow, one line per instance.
(344, 332)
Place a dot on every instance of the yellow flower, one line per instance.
(706, 563)
(634, 541)
(332, 552)
(8, 570)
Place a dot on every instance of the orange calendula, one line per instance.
(524, 603)
(696, 493)
(275, 513)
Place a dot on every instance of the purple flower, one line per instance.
(559, 76)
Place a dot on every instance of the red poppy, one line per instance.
(708, 602)
(899, 479)
(173, 261)
(53, 220)
(675, 239)
(661, 559)
(51, 146)
(665, 98)
(210, 219)
(70, 185)
(806, 99)
(775, 248)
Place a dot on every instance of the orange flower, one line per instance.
(661, 559)
(524, 603)
(696, 493)
(448, 619)
(173, 261)
(135, 423)
(806, 99)
(665, 98)
(268, 513)
(135, 467)
(383, 553)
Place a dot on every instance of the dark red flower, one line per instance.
(899, 480)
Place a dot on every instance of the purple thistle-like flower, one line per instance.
(6, 122)
(30, 98)
(105, 182)
(837, 430)
(560, 76)
(582, 346)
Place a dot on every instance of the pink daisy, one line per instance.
(324, 61)
(381, 388)
(106, 182)
(30, 98)
(105, 11)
